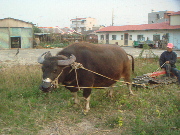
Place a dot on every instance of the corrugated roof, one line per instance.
(17, 20)
(164, 25)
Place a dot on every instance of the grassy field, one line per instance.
(25, 110)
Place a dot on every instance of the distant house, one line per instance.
(83, 24)
(126, 35)
(159, 17)
(15, 33)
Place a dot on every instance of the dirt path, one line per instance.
(29, 56)
(25, 56)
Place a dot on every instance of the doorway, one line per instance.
(15, 42)
(107, 38)
(125, 38)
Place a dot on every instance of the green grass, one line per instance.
(26, 110)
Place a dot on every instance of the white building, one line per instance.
(83, 24)
(126, 35)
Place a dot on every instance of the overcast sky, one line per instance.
(50, 13)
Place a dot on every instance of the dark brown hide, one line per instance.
(108, 60)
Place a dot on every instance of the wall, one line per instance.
(25, 34)
(175, 20)
(174, 37)
(148, 34)
(4, 38)
(90, 22)
(152, 17)
(27, 40)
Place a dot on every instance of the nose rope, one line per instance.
(55, 82)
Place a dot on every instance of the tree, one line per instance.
(36, 29)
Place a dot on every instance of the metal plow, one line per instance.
(153, 80)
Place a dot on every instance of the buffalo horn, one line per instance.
(68, 61)
(41, 59)
(62, 56)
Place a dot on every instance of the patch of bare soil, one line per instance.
(85, 127)
(60, 128)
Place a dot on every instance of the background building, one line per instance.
(83, 24)
(163, 32)
(15, 33)
(159, 17)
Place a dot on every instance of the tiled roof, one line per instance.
(175, 13)
(153, 26)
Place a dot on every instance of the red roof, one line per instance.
(78, 19)
(139, 27)
(175, 13)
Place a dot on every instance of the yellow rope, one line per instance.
(76, 66)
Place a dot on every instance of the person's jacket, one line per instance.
(168, 56)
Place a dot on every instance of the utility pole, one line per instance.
(112, 17)
(76, 23)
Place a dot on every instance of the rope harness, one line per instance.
(55, 82)
(76, 66)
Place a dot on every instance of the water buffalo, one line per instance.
(111, 61)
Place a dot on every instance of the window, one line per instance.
(102, 37)
(113, 37)
(157, 16)
(121, 37)
(82, 29)
(140, 38)
(156, 37)
(130, 37)
(82, 22)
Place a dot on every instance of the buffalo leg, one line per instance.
(110, 92)
(87, 95)
(128, 82)
(87, 107)
(130, 90)
(76, 100)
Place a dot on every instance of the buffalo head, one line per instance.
(52, 67)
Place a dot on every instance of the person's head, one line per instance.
(169, 47)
